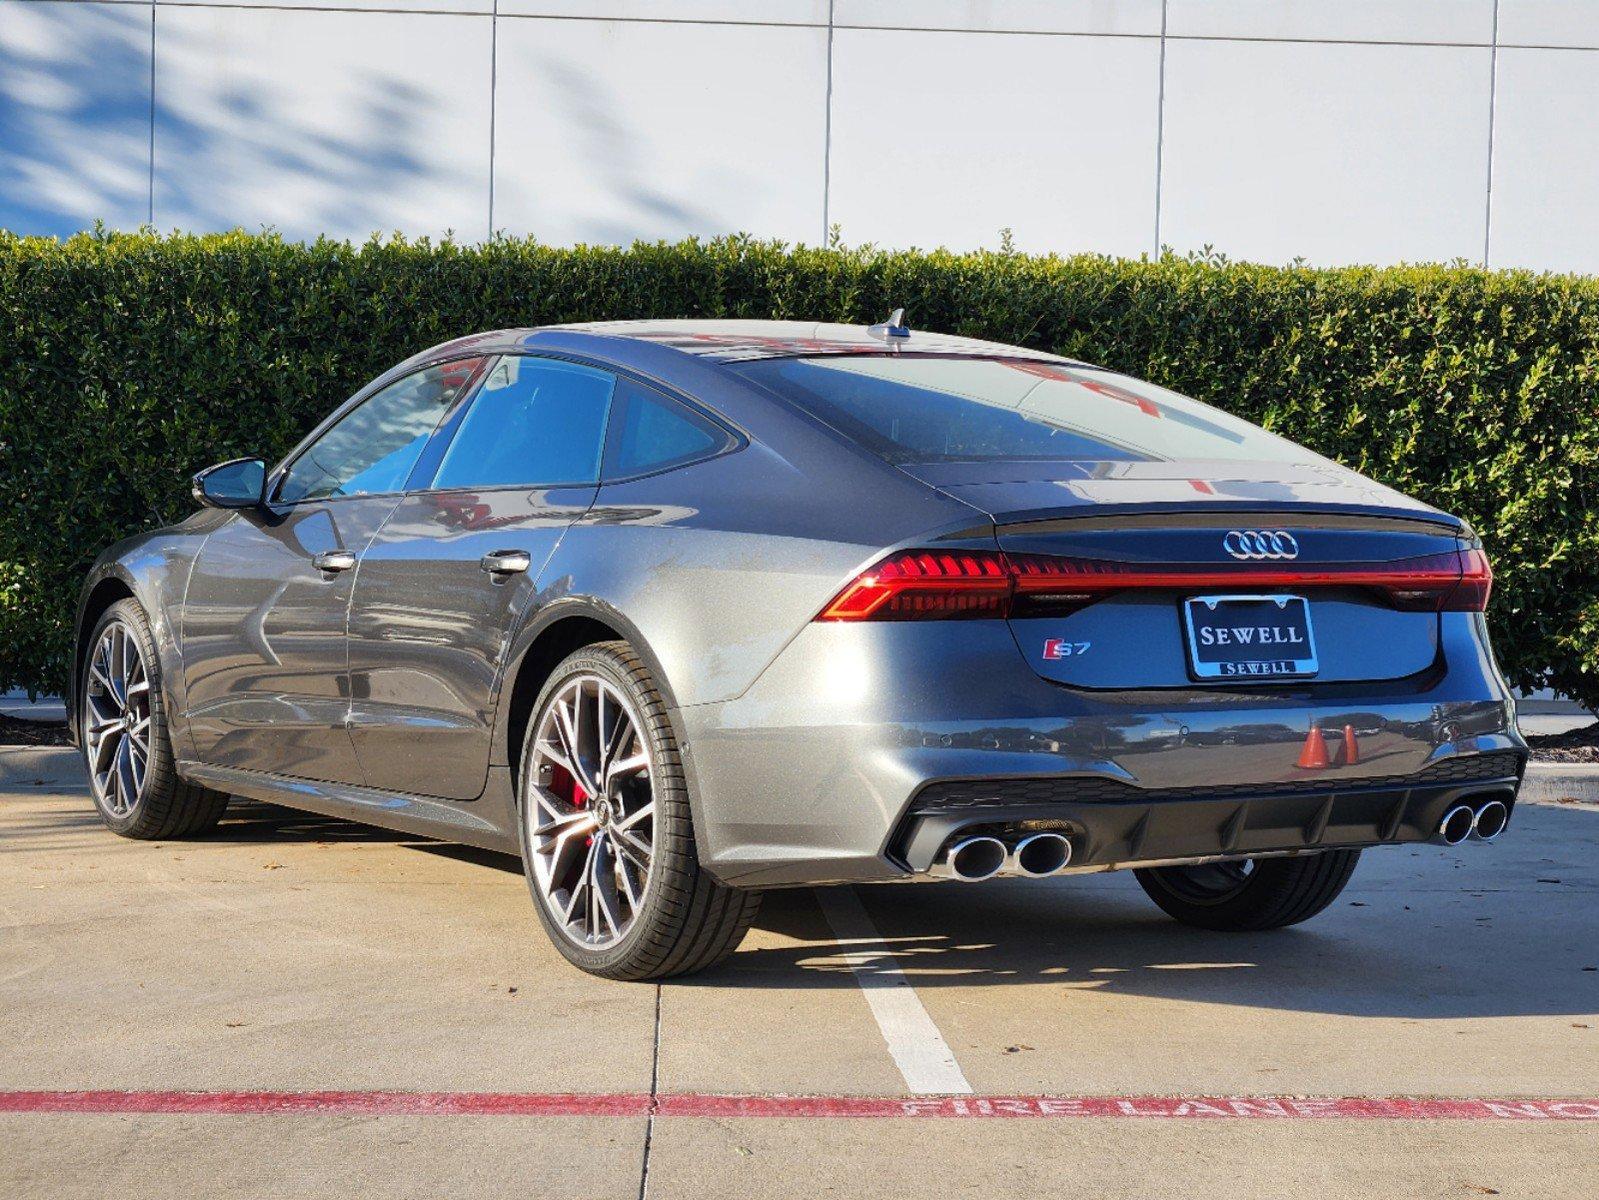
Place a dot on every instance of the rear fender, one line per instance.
(504, 762)
(544, 616)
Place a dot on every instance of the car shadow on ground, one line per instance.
(252, 821)
(1439, 935)
(247, 823)
(1517, 935)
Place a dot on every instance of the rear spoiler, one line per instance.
(1201, 515)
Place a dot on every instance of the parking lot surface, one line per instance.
(301, 1007)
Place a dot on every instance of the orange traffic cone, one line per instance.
(1314, 756)
(1351, 747)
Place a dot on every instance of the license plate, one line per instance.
(1250, 637)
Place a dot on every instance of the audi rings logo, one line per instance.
(1260, 544)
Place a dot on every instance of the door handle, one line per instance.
(506, 562)
(334, 561)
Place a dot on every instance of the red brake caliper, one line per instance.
(580, 799)
(565, 785)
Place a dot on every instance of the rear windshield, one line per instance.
(927, 409)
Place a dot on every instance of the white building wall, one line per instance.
(1355, 131)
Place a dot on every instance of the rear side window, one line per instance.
(922, 408)
(651, 432)
(534, 421)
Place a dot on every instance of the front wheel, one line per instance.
(607, 839)
(127, 744)
(1250, 894)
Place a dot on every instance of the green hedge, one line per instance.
(127, 362)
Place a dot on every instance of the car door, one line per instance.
(266, 613)
(443, 583)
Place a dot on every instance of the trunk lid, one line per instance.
(1013, 492)
(1193, 525)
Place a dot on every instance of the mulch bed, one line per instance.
(14, 731)
(1573, 746)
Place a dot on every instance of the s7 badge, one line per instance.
(1059, 648)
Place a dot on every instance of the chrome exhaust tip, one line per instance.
(1457, 825)
(973, 859)
(1490, 820)
(1040, 854)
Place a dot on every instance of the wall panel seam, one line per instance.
(1157, 36)
(459, 12)
(1160, 125)
(832, 26)
(150, 144)
(1493, 99)
(494, 101)
(827, 132)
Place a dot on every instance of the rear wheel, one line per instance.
(607, 839)
(1250, 894)
(127, 745)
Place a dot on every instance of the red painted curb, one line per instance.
(636, 1104)
(424, 1104)
(1393, 1108)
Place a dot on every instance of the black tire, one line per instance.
(686, 921)
(164, 806)
(1268, 893)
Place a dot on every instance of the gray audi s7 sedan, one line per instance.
(681, 610)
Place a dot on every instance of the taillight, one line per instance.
(1476, 582)
(918, 585)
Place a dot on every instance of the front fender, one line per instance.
(154, 569)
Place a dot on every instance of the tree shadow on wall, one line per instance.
(233, 147)
(302, 181)
(614, 156)
(76, 119)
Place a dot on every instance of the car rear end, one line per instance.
(1165, 637)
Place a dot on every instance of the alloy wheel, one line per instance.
(116, 720)
(590, 811)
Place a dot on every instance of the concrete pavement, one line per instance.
(287, 953)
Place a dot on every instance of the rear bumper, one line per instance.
(860, 745)
(1111, 824)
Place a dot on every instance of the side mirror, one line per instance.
(237, 483)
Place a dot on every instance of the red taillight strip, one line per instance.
(921, 584)
(929, 584)
(1434, 581)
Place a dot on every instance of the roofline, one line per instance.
(726, 342)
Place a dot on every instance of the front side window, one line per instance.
(534, 421)
(373, 447)
(651, 432)
(926, 409)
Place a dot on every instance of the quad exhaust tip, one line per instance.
(1486, 822)
(974, 859)
(1490, 820)
(1041, 854)
(1457, 825)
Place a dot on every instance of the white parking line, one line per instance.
(918, 1049)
